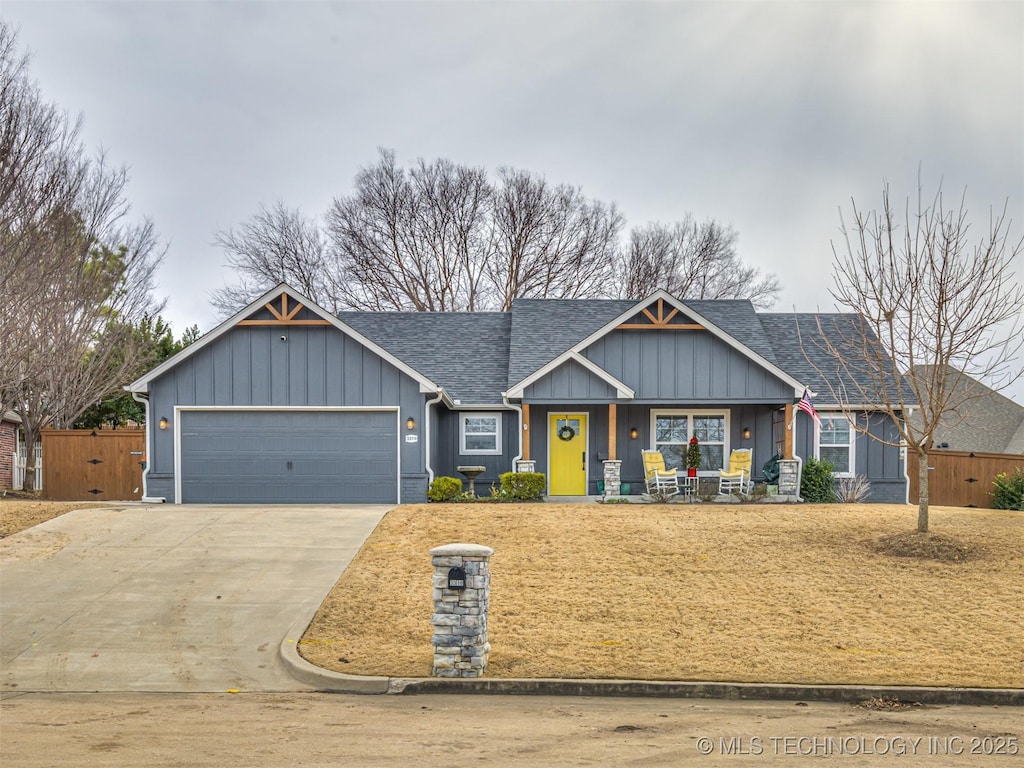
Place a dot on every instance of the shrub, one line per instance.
(853, 490)
(522, 486)
(817, 482)
(1008, 490)
(445, 489)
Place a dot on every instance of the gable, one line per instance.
(279, 310)
(271, 365)
(570, 381)
(686, 366)
(735, 325)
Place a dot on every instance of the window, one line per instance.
(836, 439)
(673, 430)
(480, 433)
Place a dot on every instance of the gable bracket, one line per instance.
(661, 321)
(284, 316)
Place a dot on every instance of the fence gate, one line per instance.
(86, 465)
(961, 478)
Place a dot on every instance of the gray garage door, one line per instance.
(284, 457)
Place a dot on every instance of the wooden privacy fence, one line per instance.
(961, 478)
(101, 465)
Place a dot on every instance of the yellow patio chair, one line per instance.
(737, 477)
(659, 479)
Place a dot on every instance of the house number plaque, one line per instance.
(457, 578)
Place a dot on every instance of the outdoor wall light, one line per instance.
(163, 422)
(746, 433)
(410, 423)
(633, 434)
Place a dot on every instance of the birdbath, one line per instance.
(471, 473)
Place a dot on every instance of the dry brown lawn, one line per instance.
(18, 513)
(800, 594)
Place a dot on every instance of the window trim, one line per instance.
(851, 446)
(726, 413)
(463, 450)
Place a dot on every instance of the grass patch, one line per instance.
(22, 511)
(801, 594)
(928, 546)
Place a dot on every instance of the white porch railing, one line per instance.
(18, 478)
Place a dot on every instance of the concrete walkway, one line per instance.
(168, 598)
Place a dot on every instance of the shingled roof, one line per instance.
(476, 356)
(800, 349)
(464, 352)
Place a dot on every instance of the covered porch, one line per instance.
(593, 449)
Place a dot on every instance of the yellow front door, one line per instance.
(567, 449)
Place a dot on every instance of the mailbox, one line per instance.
(456, 578)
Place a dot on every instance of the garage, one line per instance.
(252, 456)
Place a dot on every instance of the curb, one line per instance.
(338, 682)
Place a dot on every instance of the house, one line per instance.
(986, 422)
(10, 423)
(285, 402)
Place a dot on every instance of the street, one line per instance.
(259, 730)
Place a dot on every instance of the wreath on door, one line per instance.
(566, 433)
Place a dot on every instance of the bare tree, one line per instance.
(414, 240)
(550, 242)
(443, 237)
(934, 303)
(75, 272)
(277, 245)
(695, 260)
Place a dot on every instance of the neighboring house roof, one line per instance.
(987, 422)
(10, 416)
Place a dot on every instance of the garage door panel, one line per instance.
(282, 456)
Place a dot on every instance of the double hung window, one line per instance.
(672, 431)
(480, 433)
(836, 440)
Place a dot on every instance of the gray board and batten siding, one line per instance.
(685, 366)
(295, 367)
(681, 367)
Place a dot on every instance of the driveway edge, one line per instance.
(318, 677)
(338, 682)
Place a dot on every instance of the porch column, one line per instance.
(612, 407)
(526, 431)
(787, 439)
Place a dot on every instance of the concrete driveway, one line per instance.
(168, 598)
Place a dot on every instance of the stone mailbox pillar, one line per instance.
(462, 595)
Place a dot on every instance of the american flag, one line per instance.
(807, 407)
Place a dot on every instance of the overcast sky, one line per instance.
(767, 115)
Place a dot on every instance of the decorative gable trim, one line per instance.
(661, 321)
(660, 298)
(284, 315)
(276, 301)
(622, 391)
